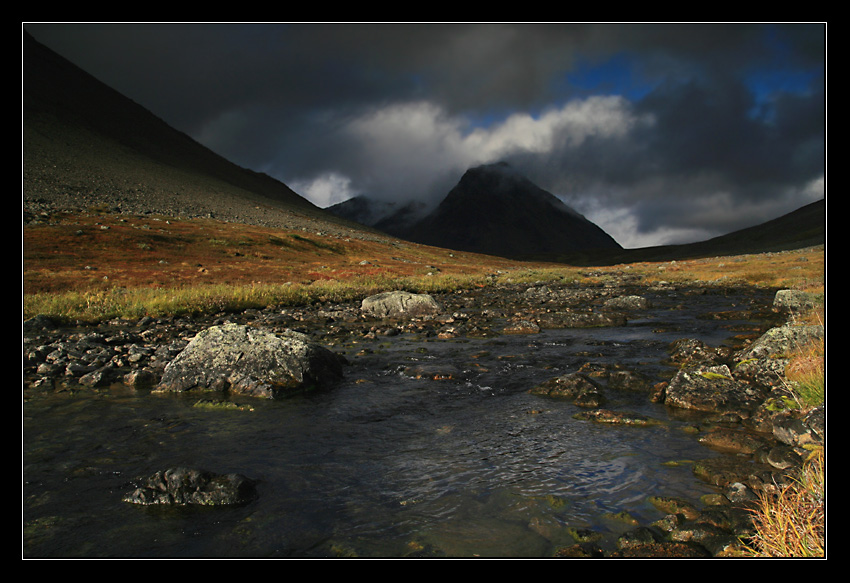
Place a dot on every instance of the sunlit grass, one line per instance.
(803, 269)
(806, 374)
(100, 305)
(94, 267)
(792, 522)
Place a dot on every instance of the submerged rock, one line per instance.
(577, 387)
(616, 417)
(247, 360)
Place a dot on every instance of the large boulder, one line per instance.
(249, 361)
(399, 304)
(790, 301)
(713, 389)
(780, 341)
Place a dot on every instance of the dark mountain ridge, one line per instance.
(804, 227)
(87, 146)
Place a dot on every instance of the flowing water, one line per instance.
(384, 465)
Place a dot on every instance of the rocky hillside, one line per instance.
(86, 146)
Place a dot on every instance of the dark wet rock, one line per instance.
(39, 322)
(587, 550)
(784, 457)
(182, 486)
(628, 380)
(801, 429)
(577, 387)
(399, 304)
(706, 535)
(692, 352)
(735, 441)
(642, 535)
(616, 417)
(584, 535)
(558, 320)
(734, 519)
(521, 327)
(431, 371)
(141, 379)
(249, 361)
(672, 505)
(616, 377)
(662, 550)
(727, 470)
(713, 389)
(739, 494)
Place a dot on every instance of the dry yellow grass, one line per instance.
(792, 522)
(91, 266)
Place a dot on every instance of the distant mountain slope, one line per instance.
(390, 217)
(805, 227)
(86, 145)
(495, 210)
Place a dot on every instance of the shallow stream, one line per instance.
(385, 464)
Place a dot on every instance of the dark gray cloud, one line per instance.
(658, 132)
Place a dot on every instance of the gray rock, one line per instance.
(791, 301)
(713, 389)
(781, 340)
(397, 304)
(249, 361)
(627, 303)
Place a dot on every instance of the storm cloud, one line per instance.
(659, 133)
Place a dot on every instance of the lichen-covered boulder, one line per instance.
(250, 361)
(790, 301)
(398, 304)
(780, 341)
(713, 389)
(627, 303)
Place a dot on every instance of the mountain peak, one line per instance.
(495, 209)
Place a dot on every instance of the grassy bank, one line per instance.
(92, 267)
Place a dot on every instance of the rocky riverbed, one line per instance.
(732, 389)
